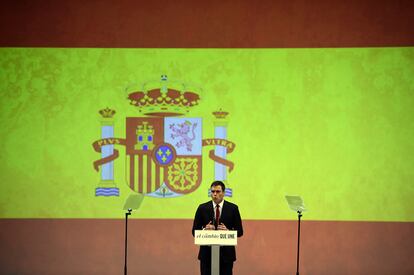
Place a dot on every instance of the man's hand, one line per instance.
(209, 226)
(221, 226)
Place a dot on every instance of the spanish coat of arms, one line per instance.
(163, 147)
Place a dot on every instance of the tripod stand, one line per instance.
(296, 204)
(126, 239)
(133, 202)
(297, 258)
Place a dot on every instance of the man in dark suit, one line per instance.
(218, 214)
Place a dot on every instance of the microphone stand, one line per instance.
(297, 259)
(126, 238)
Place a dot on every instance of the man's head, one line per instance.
(217, 191)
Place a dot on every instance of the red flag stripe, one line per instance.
(207, 24)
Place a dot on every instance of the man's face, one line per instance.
(217, 194)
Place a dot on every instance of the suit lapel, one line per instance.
(210, 210)
(224, 211)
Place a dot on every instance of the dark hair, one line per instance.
(217, 183)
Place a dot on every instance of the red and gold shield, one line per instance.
(163, 150)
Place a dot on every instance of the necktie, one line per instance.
(217, 214)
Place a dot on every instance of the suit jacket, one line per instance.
(230, 217)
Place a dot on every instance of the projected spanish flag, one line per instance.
(84, 127)
(332, 121)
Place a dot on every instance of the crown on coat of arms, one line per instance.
(164, 98)
(220, 114)
(107, 113)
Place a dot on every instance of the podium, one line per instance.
(215, 239)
